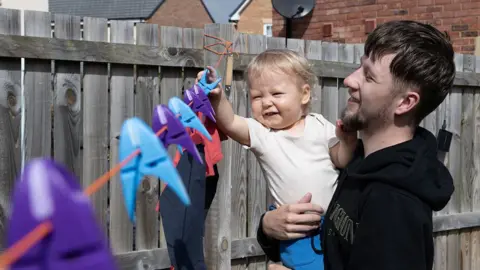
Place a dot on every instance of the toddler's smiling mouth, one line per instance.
(270, 113)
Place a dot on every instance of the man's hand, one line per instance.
(211, 77)
(274, 266)
(292, 221)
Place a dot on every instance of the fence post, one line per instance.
(218, 232)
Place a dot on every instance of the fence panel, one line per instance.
(122, 104)
(67, 105)
(10, 108)
(38, 91)
(96, 139)
(147, 96)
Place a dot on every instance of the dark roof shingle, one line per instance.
(110, 9)
(219, 10)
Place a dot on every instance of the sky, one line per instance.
(221, 9)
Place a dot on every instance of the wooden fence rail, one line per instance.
(83, 79)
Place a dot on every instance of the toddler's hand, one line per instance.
(346, 137)
(211, 77)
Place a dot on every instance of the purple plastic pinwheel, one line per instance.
(46, 191)
(197, 104)
(175, 133)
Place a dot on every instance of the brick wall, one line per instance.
(254, 16)
(181, 13)
(349, 21)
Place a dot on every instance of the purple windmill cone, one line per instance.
(175, 133)
(203, 97)
(197, 104)
(48, 192)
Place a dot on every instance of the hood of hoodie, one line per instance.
(413, 166)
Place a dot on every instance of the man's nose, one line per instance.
(352, 82)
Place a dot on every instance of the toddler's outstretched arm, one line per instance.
(342, 152)
(232, 125)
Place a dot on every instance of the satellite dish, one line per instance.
(292, 9)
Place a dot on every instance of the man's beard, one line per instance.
(352, 121)
(357, 121)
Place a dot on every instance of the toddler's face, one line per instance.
(277, 100)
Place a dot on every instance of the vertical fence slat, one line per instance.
(170, 86)
(96, 120)
(192, 38)
(257, 185)
(147, 96)
(171, 77)
(330, 85)
(121, 108)
(38, 91)
(454, 108)
(346, 54)
(475, 192)
(466, 161)
(239, 101)
(313, 51)
(440, 262)
(218, 235)
(67, 120)
(10, 90)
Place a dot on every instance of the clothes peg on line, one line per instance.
(197, 105)
(187, 116)
(208, 87)
(48, 197)
(175, 132)
(153, 160)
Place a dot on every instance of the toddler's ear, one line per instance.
(306, 94)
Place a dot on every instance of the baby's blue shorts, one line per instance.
(303, 253)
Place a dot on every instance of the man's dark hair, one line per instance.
(424, 60)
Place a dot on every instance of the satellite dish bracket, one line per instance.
(285, 8)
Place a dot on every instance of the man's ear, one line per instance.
(306, 94)
(407, 102)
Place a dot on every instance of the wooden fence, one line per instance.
(84, 78)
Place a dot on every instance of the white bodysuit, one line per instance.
(294, 165)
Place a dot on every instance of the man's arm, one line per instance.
(394, 233)
(270, 246)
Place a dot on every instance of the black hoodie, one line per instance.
(380, 217)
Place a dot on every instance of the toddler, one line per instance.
(297, 150)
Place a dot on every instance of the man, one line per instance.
(380, 217)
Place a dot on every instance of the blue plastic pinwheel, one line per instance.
(187, 116)
(208, 87)
(153, 160)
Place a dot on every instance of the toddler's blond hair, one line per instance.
(286, 61)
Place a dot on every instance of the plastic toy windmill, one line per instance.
(199, 102)
(187, 119)
(153, 160)
(175, 131)
(208, 87)
(187, 116)
(44, 200)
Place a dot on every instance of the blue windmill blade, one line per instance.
(187, 116)
(153, 160)
(208, 87)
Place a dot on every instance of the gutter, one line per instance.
(236, 16)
